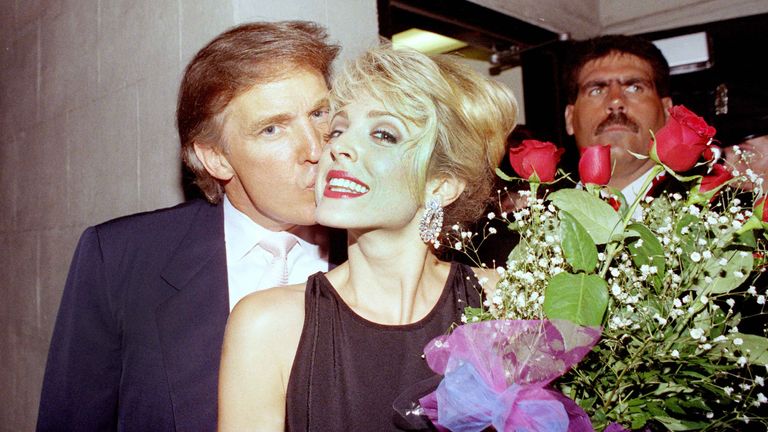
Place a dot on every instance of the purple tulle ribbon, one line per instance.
(496, 374)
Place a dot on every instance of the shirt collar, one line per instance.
(241, 234)
(631, 190)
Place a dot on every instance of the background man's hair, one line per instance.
(582, 52)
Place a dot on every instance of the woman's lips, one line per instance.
(340, 184)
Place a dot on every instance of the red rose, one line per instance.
(536, 157)
(718, 176)
(681, 141)
(760, 209)
(595, 164)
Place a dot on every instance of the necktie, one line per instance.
(278, 244)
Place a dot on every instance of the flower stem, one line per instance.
(656, 170)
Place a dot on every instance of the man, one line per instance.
(618, 90)
(138, 336)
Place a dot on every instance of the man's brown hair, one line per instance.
(230, 65)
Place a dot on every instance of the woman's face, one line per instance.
(364, 180)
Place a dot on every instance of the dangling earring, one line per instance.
(431, 221)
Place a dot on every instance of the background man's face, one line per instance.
(617, 104)
(275, 134)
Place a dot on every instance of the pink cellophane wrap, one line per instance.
(496, 374)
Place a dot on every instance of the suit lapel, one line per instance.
(191, 322)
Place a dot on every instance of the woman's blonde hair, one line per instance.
(463, 118)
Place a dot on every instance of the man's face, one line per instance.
(275, 133)
(617, 104)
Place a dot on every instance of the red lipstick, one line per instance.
(341, 184)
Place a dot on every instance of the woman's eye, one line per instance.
(335, 133)
(383, 135)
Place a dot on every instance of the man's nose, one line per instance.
(615, 98)
(312, 137)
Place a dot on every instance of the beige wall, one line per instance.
(87, 95)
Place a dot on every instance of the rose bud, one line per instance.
(535, 157)
(595, 164)
(682, 140)
(715, 178)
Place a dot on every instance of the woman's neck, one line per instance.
(390, 279)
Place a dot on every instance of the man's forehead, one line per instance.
(616, 66)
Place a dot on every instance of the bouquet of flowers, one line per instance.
(666, 280)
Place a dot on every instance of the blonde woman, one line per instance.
(414, 141)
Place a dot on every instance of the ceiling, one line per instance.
(499, 24)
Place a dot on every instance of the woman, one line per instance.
(411, 137)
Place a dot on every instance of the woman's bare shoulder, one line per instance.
(269, 315)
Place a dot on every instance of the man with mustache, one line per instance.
(618, 90)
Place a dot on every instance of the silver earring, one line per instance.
(431, 221)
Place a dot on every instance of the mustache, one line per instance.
(617, 118)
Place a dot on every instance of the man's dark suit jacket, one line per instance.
(138, 336)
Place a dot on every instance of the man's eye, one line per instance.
(633, 88)
(385, 136)
(595, 91)
(269, 130)
(321, 113)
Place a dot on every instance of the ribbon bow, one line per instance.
(496, 373)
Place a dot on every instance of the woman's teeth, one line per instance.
(339, 185)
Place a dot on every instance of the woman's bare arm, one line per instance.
(260, 344)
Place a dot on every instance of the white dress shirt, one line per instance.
(247, 262)
(631, 190)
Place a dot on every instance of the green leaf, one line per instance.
(579, 298)
(724, 277)
(647, 250)
(674, 424)
(518, 253)
(579, 249)
(757, 347)
(599, 219)
(746, 238)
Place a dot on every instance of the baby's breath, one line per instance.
(670, 343)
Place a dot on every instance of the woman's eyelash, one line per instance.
(384, 136)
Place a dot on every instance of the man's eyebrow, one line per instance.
(637, 80)
(322, 103)
(595, 83)
(261, 123)
(623, 82)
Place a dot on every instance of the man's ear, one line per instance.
(214, 161)
(666, 102)
(569, 119)
(448, 189)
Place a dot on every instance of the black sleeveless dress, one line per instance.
(348, 371)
